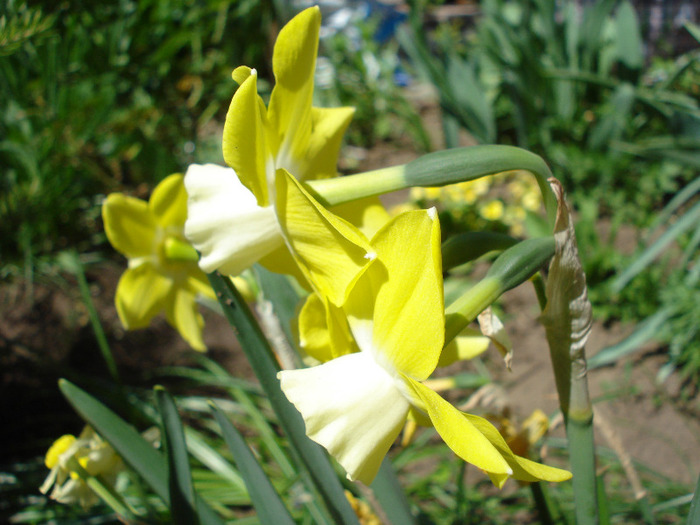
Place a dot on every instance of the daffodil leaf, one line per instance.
(182, 503)
(269, 506)
(128, 443)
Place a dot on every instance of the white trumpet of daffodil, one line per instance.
(241, 215)
(386, 339)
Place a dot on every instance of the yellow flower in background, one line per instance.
(387, 338)
(242, 214)
(163, 275)
(68, 456)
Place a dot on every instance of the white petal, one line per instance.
(225, 223)
(352, 407)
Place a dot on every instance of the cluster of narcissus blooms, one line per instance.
(72, 459)
(521, 189)
(375, 318)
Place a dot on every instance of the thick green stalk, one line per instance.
(514, 266)
(263, 362)
(567, 320)
(438, 169)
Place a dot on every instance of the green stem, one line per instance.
(104, 491)
(72, 262)
(438, 169)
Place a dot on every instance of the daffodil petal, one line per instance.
(523, 469)
(369, 214)
(289, 111)
(330, 251)
(314, 338)
(281, 261)
(141, 294)
(198, 284)
(408, 316)
(467, 345)
(183, 314)
(328, 126)
(352, 407)
(244, 139)
(225, 223)
(168, 203)
(458, 431)
(129, 225)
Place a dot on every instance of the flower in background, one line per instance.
(235, 214)
(73, 459)
(163, 275)
(385, 340)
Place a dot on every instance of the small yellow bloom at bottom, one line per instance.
(363, 511)
(71, 458)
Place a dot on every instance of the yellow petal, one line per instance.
(168, 202)
(523, 469)
(459, 432)
(241, 74)
(198, 284)
(129, 225)
(314, 338)
(244, 143)
(330, 251)
(224, 223)
(408, 319)
(141, 294)
(323, 330)
(289, 111)
(328, 126)
(352, 407)
(183, 314)
(467, 345)
(369, 215)
(281, 261)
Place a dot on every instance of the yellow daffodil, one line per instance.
(240, 215)
(71, 459)
(356, 404)
(163, 274)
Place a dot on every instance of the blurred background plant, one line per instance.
(571, 81)
(93, 98)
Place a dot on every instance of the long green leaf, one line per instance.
(138, 453)
(182, 503)
(391, 496)
(688, 220)
(645, 332)
(266, 501)
(262, 360)
(694, 514)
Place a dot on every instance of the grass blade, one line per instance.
(694, 514)
(138, 453)
(182, 504)
(265, 499)
(263, 363)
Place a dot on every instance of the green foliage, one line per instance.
(92, 99)
(358, 71)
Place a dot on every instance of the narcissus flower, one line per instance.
(356, 404)
(236, 215)
(71, 458)
(163, 274)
